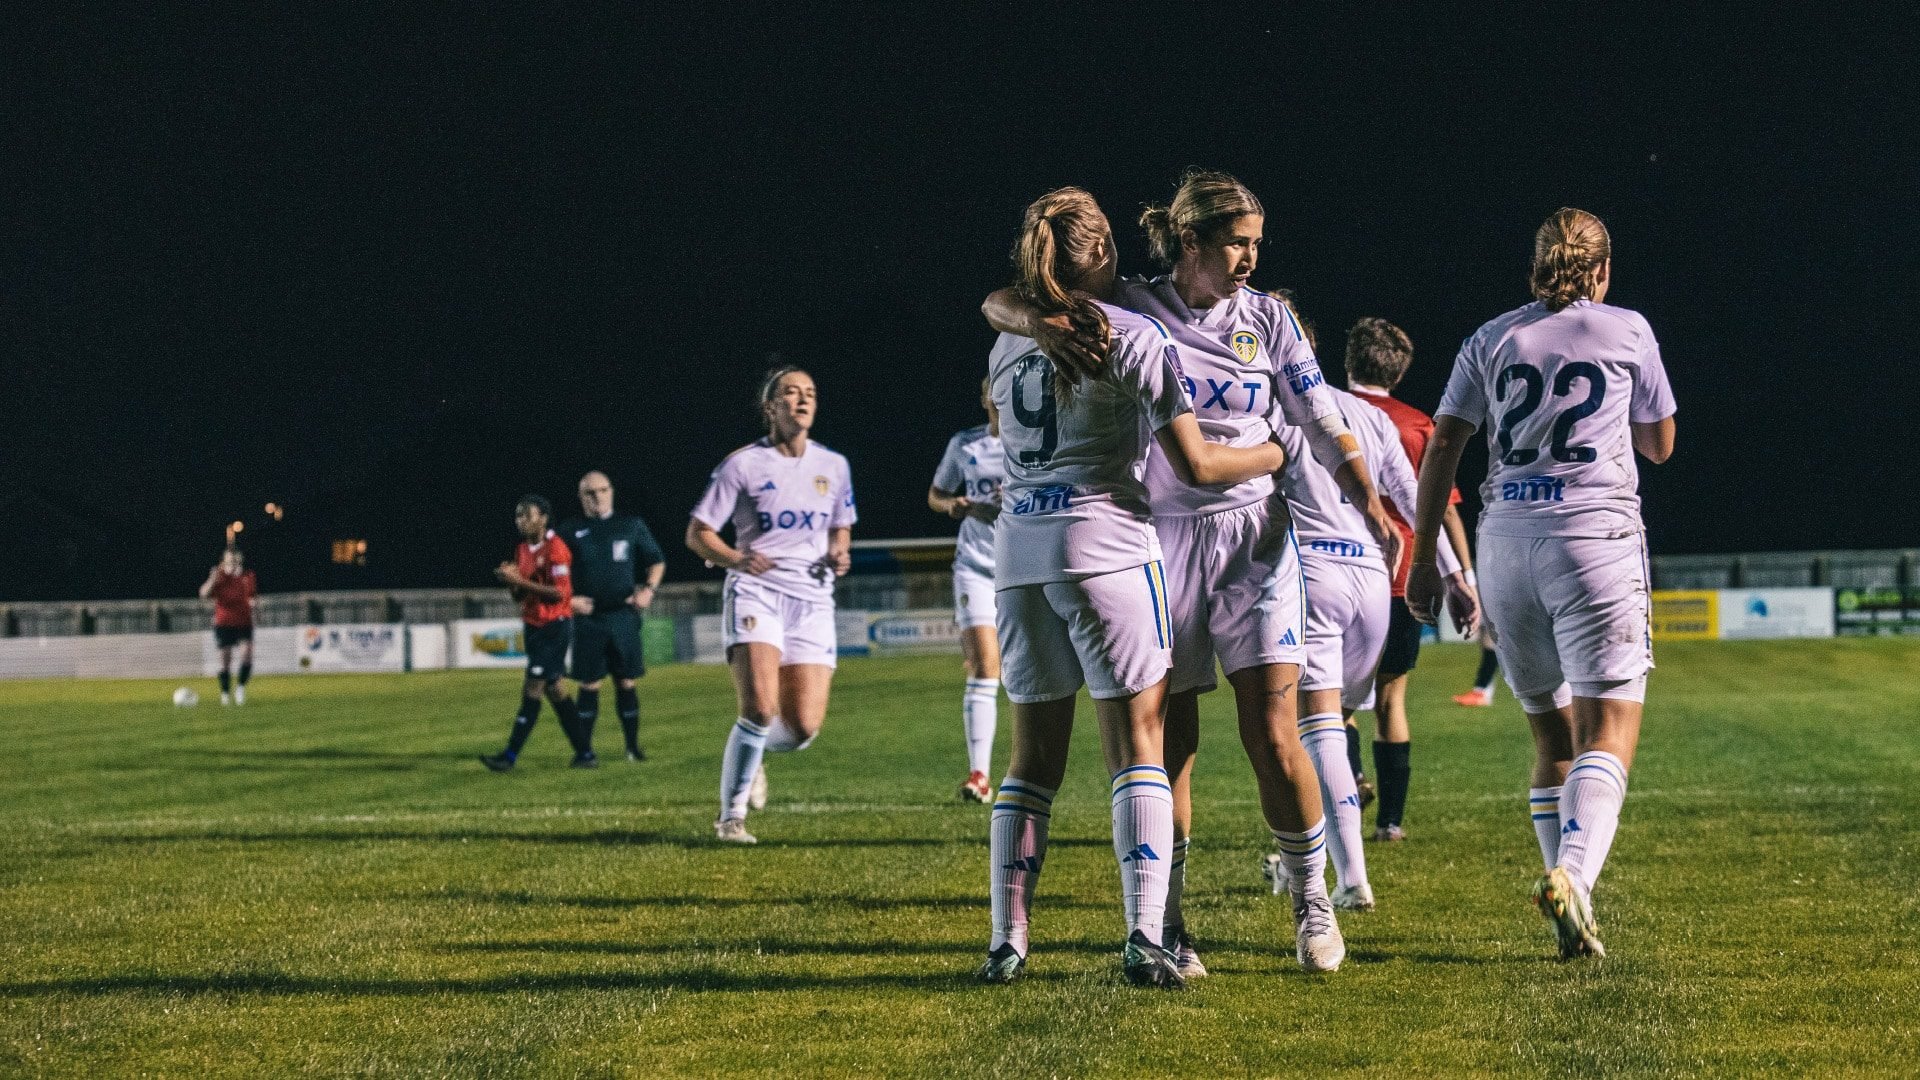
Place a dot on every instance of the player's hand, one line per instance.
(984, 511)
(643, 598)
(508, 573)
(1081, 355)
(959, 507)
(1423, 592)
(841, 561)
(1463, 605)
(1388, 537)
(753, 563)
(583, 605)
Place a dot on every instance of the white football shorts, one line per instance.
(1109, 632)
(752, 611)
(1348, 607)
(973, 603)
(1567, 609)
(1237, 591)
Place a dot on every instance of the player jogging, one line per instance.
(1231, 562)
(617, 567)
(966, 486)
(541, 578)
(1347, 585)
(1378, 356)
(1082, 593)
(235, 593)
(1568, 389)
(790, 501)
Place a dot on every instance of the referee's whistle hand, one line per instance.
(583, 605)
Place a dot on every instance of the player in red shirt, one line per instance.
(232, 588)
(1378, 355)
(541, 578)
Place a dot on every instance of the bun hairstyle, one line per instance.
(1569, 252)
(1378, 353)
(1063, 238)
(1204, 201)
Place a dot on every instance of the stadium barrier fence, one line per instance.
(897, 600)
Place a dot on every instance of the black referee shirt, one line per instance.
(609, 555)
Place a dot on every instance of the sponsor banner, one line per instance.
(1890, 610)
(353, 647)
(426, 646)
(1776, 613)
(487, 643)
(707, 645)
(929, 631)
(1686, 615)
(850, 633)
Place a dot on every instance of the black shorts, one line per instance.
(1403, 641)
(546, 648)
(607, 642)
(227, 637)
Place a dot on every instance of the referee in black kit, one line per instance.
(610, 554)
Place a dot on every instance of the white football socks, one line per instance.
(1143, 842)
(1544, 804)
(1304, 854)
(1017, 846)
(1176, 919)
(781, 739)
(979, 713)
(1590, 804)
(1325, 737)
(746, 744)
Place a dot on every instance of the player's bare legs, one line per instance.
(804, 689)
(980, 650)
(1266, 698)
(755, 667)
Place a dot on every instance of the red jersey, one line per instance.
(546, 563)
(1415, 429)
(232, 596)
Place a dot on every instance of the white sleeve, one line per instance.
(1154, 380)
(1393, 475)
(716, 507)
(1465, 398)
(844, 514)
(1652, 394)
(948, 476)
(1300, 388)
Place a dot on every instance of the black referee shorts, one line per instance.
(1403, 641)
(607, 642)
(546, 648)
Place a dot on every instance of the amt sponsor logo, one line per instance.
(1338, 547)
(1044, 500)
(1534, 489)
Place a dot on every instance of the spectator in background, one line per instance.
(611, 554)
(234, 592)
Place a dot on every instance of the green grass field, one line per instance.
(326, 882)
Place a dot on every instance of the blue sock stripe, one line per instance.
(750, 731)
(1546, 817)
(1155, 769)
(1118, 788)
(1599, 760)
(1014, 787)
(1598, 769)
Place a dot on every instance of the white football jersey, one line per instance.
(973, 467)
(782, 507)
(1075, 499)
(1557, 392)
(1248, 368)
(1327, 524)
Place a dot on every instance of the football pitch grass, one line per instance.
(327, 882)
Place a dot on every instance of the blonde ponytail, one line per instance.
(1064, 238)
(1569, 251)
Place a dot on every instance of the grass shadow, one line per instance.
(275, 984)
(594, 838)
(860, 903)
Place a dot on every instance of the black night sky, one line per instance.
(395, 272)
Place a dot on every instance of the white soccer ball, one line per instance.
(185, 698)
